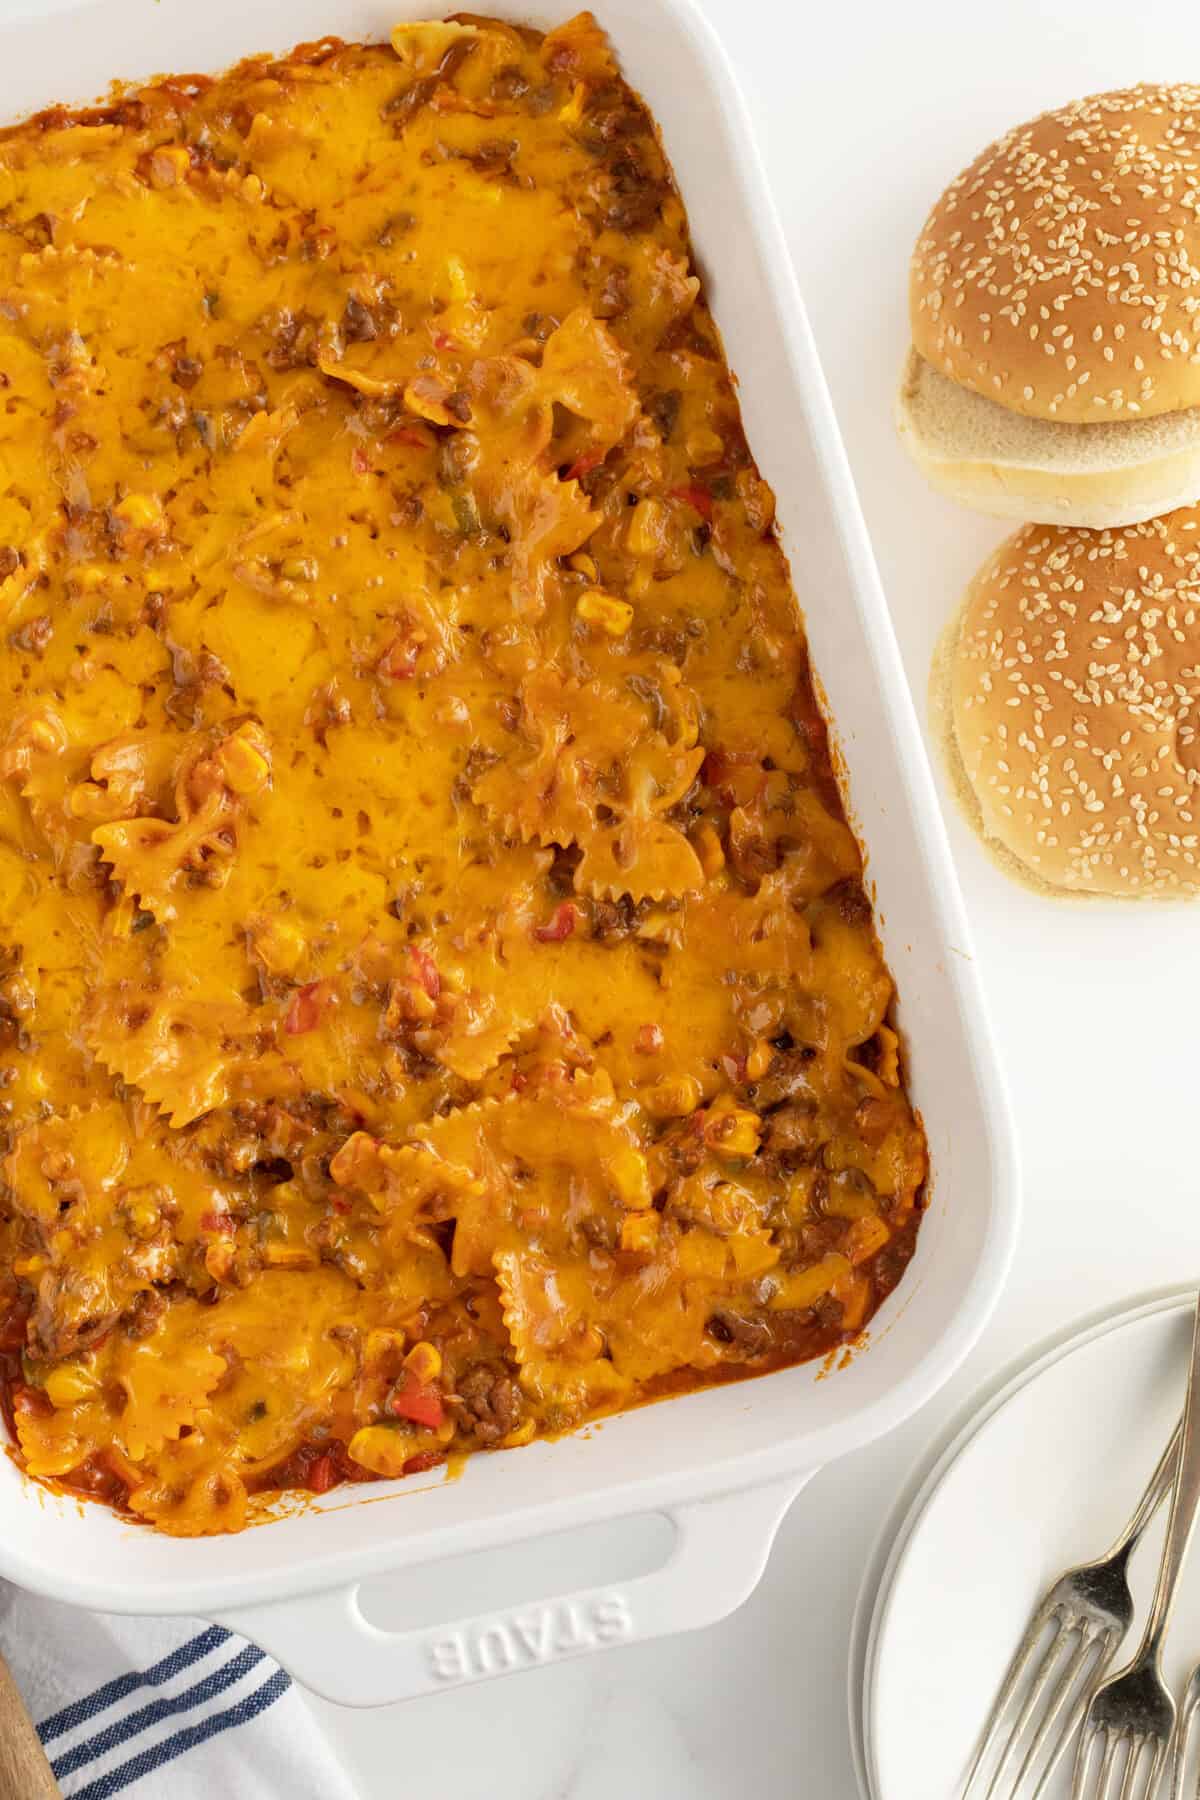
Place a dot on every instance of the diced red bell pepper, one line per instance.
(418, 1400)
(698, 498)
(584, 464)
(218, 1222)
(560, 927)
(737, 775)
(425, 970)
(424, 1459)
(443, 341)
(304, 1013)
(13, 1330)
(32, 1402)
(719, 765)
(399, 659)
(321, 1474)
(406, 434)
(649, 1040)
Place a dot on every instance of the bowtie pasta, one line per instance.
(438, 997)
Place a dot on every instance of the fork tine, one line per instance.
(1183, 1728)
(1037, 1687)
(1156, 1770)
(1182, 1744)
(1104, 1643)
(1016, 1668)
(1088, 1738)
(1111, 1741)
(1088, 1741)
(1158, 1752)
(1136, 1745)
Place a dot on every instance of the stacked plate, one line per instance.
(1041, 1471)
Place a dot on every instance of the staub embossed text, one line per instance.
(534, 1635)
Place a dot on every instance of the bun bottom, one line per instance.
(996, 461)
(941, 725)
(942, 730)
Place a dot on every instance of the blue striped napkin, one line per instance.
(148, 1708)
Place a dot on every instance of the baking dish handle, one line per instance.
(721, 1547)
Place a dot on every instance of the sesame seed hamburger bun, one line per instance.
(1071, 689)
(1055, 314)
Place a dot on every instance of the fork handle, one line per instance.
(1158, 1487)
(1184, 1504)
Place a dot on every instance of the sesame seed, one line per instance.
(1078, 231)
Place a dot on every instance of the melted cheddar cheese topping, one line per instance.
(438, 1001)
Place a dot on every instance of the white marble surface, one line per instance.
(864, 112)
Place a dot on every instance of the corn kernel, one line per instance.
(299, 568)
(703, 446)
(46, 734)
(605, 612)
(648, 527)
(244, 763)
(583, 564)
(141, 512)
(659, 928)
(639, 1233)
(382, 1343)
(218, 1259)
(68, 1385)
(383, 1449)
(706, 842)
(572, 112)
(356, 1162)
(169, 165)
(143, 1215)
(732, 1132)
(673, 1097)
(253, 188)
(425, 1361)
(630, 1177)
(759, 1060)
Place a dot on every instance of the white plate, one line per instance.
(1043, 1470)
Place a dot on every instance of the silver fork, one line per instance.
(1130, 1721)
(1077, 1628)
(1183, 1732)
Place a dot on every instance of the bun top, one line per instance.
(1075, 695)
(1060, 273)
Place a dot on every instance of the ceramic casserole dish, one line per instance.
(724, 1464)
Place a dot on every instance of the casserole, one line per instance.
(719, 1442)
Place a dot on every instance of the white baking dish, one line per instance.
(724, 1465)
